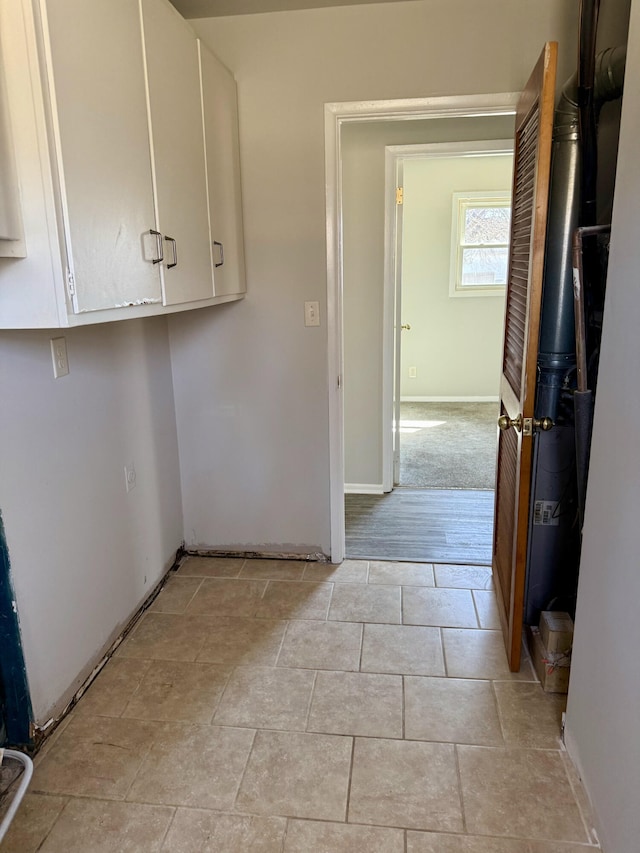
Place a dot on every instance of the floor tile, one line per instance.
(181, 691)
(322, 645)
(435, 842)
(405, 784)
(176, 594)
(282, 570)
(480, 654)
(408, 574)
(402, 649)
(284, 600)
(103, 827)
(440, 607)
(242, 641)
(211, 567)
(487, 608)
(199, 766)
(581, 796)
(451, 710)
(357, 703)
(32, 822)
(306, 836)
(266, 698)
(349, 571)
(463, 577)
(365, 603)
(227, 597)
(163, 636)
(95, 757)
(110, 692)
(530, 717)
(497, 791)
(295, 774)
(206, 832)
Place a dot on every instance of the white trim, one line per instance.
(364, 489)
(476, 148)
(458, 106)
(450, 399)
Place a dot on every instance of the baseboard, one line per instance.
(363, 489)
(449, 399)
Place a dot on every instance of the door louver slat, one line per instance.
(516, 311)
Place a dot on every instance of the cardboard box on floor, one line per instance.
(552, 659)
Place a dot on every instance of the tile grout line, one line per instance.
(284, 634)
(310, 701)
(350, 780)
(501, 723)
(564, 757)
(444, 654)
(475, 607)
(460, 793)
(244, 771)
(403, 707)
(169, 825)
(362, 628)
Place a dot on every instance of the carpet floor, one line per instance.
(448, 445)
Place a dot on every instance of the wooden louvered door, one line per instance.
(532, 161)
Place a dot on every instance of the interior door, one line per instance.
(532, 161)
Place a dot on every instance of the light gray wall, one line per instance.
(363, 183)
(83, 552)
(270, 486)
(603, 716)
(455, 343)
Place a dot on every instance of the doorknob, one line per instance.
(406, 326)
(528, 425)
(504, 422)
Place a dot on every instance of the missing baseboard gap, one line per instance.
(315, 557)
(41, 733)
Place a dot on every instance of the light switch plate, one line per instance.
(59, 356)
(312, 313)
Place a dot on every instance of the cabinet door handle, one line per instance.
(174, 249)
(158, 237)
(217, 243)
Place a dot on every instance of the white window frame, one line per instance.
(497, 198)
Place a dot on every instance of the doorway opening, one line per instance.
(452, 516)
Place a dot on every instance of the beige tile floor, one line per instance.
(265, 705)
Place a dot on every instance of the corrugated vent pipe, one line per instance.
(557, 341)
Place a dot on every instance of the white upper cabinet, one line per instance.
(102, 147)
(96, 79)
(178, 150)
(220, 108)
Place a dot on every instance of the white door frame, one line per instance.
(395, 156)
(336, 114)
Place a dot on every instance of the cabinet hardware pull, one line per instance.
(217, 243)
(158, 237)
(174, 249)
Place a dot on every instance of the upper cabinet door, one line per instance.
(220, 109)
(178, 152)
(96, 76)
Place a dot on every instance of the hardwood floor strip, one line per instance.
(421, 525)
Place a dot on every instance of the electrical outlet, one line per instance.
(130, 476)
(59, 356)
(312, 313)
(413, 372)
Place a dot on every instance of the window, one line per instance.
(480, 243)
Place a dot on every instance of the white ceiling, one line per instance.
(215, 8)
